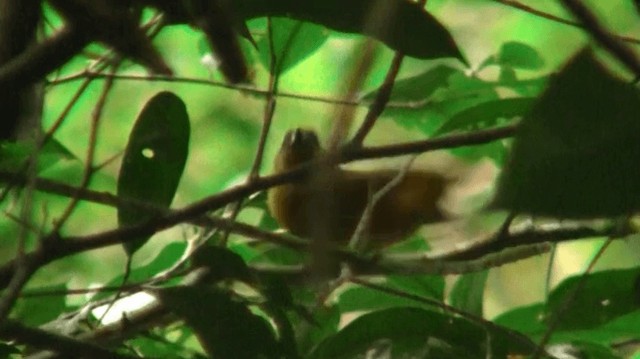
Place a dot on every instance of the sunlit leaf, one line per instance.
(38, 310)
(527, 319)
(293, 41)
(468, 292)
(153, 160)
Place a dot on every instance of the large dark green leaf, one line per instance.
(224, 327)
(576, 152)
(221, 263)
(408, 28)
(400, 24)
(153, 160)
(603, 296)
(412, 332)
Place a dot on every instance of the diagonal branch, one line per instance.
(545, 15)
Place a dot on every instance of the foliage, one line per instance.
(158, 127)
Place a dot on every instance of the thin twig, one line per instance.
(38, 338)
(450, 141)
(72, 245)
(557, 315)
(380, 101)
(608, 41)
(91, 148)
(359, 240)
(543, 234)
(344, 114)
(254, 91)
(547, 280)
(24, 266)
(270, 105)
(528, 9)
(382, 97)
(269, 110)
(98, 65)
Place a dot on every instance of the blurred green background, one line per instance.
(226, 125)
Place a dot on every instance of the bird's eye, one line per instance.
(309, 138)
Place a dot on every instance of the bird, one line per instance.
(330, 202)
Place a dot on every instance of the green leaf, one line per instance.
(516, 55)
(221, 263)
(468, 292)
(520, 56)
(575, 154)
(168, 256)
(359, 298)
(278, 255)
(412, 332)
(326, 323)
(603, 296)
(418, 87)
(431, 286)
(437, 96)
(293, 41)
(37, 310)
(487, 114)
(13, 155)
(277, 292)
(153, 160)
(6, 351)
(259, 201)
(225, 328)
(526, 88)
(528, 319)
(410, 29)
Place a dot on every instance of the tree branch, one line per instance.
(608, 41)
(41, 59)
(520, 6)
(71, 348)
